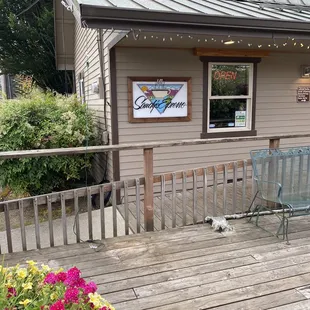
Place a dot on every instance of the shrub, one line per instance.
(44, 121)
(34, 288)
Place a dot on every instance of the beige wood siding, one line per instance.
(87, 61)
(277, 110)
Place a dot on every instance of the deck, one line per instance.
(195, 268)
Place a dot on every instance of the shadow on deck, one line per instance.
(194, 267)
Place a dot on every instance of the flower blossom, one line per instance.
(57, 306)
(50, 278)
(72, 295)
(73, 277)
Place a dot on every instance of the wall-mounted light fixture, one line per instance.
(305, 71)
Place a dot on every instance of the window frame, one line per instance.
(249, 130)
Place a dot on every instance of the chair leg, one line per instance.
(255, 210)
(280, 227)
(286, 231)
(252, 203)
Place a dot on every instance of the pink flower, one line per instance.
(73, 276)
(91, 287)
(61, 277)
(72, 295)
(51, 278)
(57, 306)
(80, 283)
(11, 292)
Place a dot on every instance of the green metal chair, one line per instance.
(282, 178)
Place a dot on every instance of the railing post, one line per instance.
(273, 144)
(148, 190)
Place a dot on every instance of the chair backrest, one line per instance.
(289, 167)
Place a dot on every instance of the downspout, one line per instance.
(102, 69)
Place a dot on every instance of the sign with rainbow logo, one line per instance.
(159, 99)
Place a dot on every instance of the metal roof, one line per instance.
(291, 10)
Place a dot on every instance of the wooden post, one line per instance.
(273, 144)
(148, 190)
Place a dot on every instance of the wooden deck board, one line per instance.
(194, 268)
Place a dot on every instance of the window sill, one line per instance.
(208, 135)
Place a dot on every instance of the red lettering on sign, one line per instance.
(225, 75)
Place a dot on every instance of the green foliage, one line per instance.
(27, 43)
(44, 121)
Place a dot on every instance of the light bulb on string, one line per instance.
(301, 45)
(295, 43)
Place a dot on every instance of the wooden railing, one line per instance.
(214, 190)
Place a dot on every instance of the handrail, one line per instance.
(149, 145)
(147, 148)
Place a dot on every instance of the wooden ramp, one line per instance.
(216, 205)
(195, 268)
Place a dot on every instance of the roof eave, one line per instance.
(101, 17)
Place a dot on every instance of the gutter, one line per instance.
(102, 17)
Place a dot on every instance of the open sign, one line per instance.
(225, 75)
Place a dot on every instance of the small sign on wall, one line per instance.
(303, 94)
(159, 99)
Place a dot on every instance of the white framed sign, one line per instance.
(159, 99)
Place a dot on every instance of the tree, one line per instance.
(27, 43)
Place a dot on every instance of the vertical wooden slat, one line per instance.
(235, 177)
(162, 205)
(148, 190)
(195, 207)
(77, 217)
(173, 200)
(37, 223)
(225, 190)
(214, 191)
(102, 211)
(50, 220)
(22, 225)
(184, 198)
(138, 205)
(8, 228)
(90, 215)
(244, 185)
(205, 193)
(114, 209)
(64, 219)
(126, 207)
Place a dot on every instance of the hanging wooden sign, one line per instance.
(159, 99)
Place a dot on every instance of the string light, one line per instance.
(289, 41)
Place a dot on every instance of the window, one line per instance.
(229, 98)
